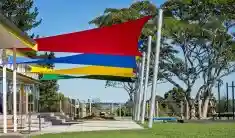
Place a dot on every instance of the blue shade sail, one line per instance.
(84, 59)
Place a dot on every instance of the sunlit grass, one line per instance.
(163, 130)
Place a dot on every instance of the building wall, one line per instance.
(20, 68)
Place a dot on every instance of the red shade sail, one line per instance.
(119, 39)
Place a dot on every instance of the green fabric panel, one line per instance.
(96, 77)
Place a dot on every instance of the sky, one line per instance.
(65, 16)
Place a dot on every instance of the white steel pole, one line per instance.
(136, 93)
(4, 90)
(155, 74)
(146, 79)
(14, 90)
(141, 87)
(90, 107)
(112, 108)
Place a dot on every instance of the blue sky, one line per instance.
(64, 16)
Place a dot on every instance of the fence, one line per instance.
(69, 107)
(225, 105)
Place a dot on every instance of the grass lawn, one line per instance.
(165, 130)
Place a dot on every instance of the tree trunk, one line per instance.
(192, 109)
(186, 110)
(192, 112)
(199, 108)
(205, 107)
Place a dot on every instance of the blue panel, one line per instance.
(85, 59)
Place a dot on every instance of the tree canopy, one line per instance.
(134, 11)
(197, 44)
(49, 98)
(23, 14)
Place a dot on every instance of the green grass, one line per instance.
(165, 130)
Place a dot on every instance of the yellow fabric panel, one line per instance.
(90, 70)
(18, 54)
(40, 69)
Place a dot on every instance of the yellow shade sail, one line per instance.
(90, 70)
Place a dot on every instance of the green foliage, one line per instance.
(23, 14)
(49, 97)
(175, 94)
(124, 111)
(200, 31)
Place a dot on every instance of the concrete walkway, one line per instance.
(91, 126)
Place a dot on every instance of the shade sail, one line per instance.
(96, 77)
(85, 59)
(11, 36)
(119, 39)
(90, 70)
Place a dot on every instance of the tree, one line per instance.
(134, 11)
(200, 32)
(175, 94)
(48, 90)
(173, 99)
(22, 14)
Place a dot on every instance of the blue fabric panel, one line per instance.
(84, 59)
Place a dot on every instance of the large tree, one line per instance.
(23, 14)
(49, 98)
(134, 11)
(201, 33)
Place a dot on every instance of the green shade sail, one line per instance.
(96, 77)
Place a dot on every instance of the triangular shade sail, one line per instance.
(85, 59)
(119, 39)
(90, 70)
(96, 77)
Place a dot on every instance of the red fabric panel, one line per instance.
(119, 39)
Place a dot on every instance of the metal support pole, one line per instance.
(4, 90)
(136, 99)
(29, 121)
(146, 80)
(233, 98)
(14, 90)
(111, 108)
(90, 107)
(155, 74)
(227, 99)
(139, 100)
(219, 99)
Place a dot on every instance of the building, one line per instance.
(26, 89)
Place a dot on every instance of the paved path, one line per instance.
(92, 126)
